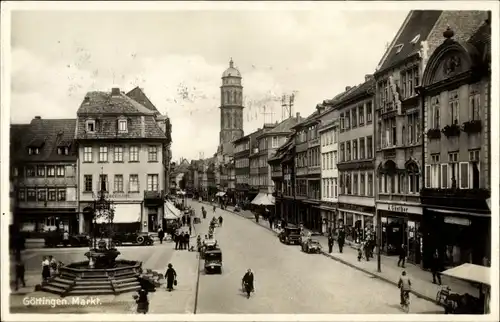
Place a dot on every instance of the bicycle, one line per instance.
(406, 302)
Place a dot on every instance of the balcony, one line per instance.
(313, 142)
(466, 199)
(154, 198)
(451, 130)
(47, 204)
(471, 127)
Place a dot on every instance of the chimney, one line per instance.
(115, 91)
(38, 117)
(297, 115)
(86, 100)
(347, 88)
(368, 77)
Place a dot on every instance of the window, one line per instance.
(31, 195)
(464, 175)
(21, 194)
(88, 183)
(413, 178)
(348, 183)
(454, 109)
(370, 185)
(409, 81)
(413, 128)
(30, 171)
(334, 165)
(362, 187)
(401, 183)
(52, 195)
(362, 148)
(436, 113)
(354, 117)
(335, 187)
(355, 190)
(153, 153)
(51, 171)
(63, 150)
(103, 154)
(118, 154)
(347, 121)
(427, 182)
(348, 151)
(60, 171)
(61, 194)
(40, 171)
(90, 126)
(368, 112)
(122, 126)
(275, 142)
(118, 184)
(342, 154)
(393, 141)
(474, 106)
(87, 154)
(354, 149)
(453, 170)
(342, 124)
(42, 194)
(335, 136)
(133, 183)
(444, 176)
(103, 178)
(361, 114)
(369, 147)
(474, 169)
(134, 154)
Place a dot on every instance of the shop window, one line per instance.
(52, 195)
(31, 195)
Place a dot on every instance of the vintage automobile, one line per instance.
(311, 246)
(137, 238)
(56, 239)
(213, 261)
(208, 245)
(290, 235)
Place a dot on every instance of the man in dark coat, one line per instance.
(170, 276)
(330, 243)
(436, 267)
(161, 235)
(177, 240)
(186, 240)
(183, 220)
(402, 255)
(20, 269)
(341, 239)
(188, 220)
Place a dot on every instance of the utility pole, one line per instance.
(287, 105)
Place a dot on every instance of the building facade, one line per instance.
(329, 132)
(398, 126)
(356, 203)
(280, 184)
(121, 143)
(44, 176)
(242, 167)
(308, 171)
(456, 100)
(258, 163)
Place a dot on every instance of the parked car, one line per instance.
(311, 246)
(137, 238)
(56, 239)
(290, 235)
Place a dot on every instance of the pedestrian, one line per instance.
(330, 243)
(20, 269)
(402, 255)
(142, 301)
(190, 229)
(65, 238)
(215, 207)
(161, 234)
(52, 265)
(186, 239)
(360, 252)
(435, 267)
(340, 240)
(171, 277)
(177, 240)
(271, 222)
(183, 220)
(45, 269)
(188, 220)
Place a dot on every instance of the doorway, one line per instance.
(152, 219)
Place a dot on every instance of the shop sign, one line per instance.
(346, 206)
(457, 221)
(400, 208)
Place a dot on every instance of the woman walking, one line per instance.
(171, 277)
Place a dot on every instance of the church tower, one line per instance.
(231, 105)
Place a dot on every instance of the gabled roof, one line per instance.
(285, 126)
(418, 23)
(311, 117)
(481, 39)
(51, 133)
(105, 103)
(357, 91)
(138, 95)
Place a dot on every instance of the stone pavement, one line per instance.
(390, 272)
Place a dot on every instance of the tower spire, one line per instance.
(231, 64)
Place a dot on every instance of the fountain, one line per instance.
(101, 273)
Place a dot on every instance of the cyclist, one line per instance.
(404, 285)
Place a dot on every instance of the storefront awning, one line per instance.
(263, 199)
(470, 272)
(220, 194)
(124, 213)
(170, 211)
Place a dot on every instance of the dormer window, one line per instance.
(122, 126)
(33, 151)
(399, 48)
(90, 126)
(63, 150)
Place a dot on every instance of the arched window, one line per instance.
(413, 177)
(226, 97)
(435, 112)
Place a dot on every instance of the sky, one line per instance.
(178, 58)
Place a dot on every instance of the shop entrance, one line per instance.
(152, 219)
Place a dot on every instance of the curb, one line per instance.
(417, 294)
(197, 284)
